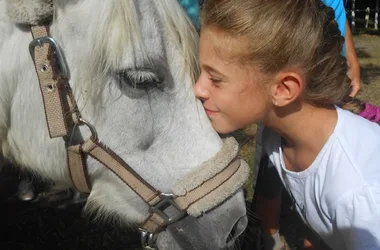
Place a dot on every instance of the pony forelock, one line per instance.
(108, 42)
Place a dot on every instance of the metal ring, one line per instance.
(148, 240)
(94, 134)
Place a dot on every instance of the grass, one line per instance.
(246, 139)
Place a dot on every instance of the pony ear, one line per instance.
(29, 11)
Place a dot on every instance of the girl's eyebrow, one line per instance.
(211, 69)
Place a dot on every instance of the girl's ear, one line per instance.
(287, 87)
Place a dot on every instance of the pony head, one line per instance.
(132, 67)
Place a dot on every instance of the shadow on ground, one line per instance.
(368, 72)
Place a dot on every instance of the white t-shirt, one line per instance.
(339, 194)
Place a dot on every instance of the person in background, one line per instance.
(364, 109)
(352, 61)
(279, 63)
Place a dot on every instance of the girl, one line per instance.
(278, 62)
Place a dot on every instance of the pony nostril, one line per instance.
(237, 230)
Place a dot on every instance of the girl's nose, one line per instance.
(201, 89)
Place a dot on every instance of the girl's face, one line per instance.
(231, 94)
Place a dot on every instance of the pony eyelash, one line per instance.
(140, 78)
(143, 75)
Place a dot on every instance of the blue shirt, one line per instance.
(192, 9)
(340, 17)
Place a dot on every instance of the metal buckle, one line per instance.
(167, 200)
(64, 69)
(148, 240)
(94, 134)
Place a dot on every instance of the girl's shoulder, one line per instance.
(359, 140)
(356, 127)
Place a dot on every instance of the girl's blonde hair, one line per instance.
(283, 34)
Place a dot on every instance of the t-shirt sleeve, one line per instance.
(357, 219)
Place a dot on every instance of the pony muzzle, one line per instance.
(201, 190)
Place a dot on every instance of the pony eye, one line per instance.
(140, 78)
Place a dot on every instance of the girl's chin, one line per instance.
(223, 129)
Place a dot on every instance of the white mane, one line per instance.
(177, 24)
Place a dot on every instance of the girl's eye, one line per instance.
(215, 81)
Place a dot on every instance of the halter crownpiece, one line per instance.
(29, 11)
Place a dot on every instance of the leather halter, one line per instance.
(62, 115)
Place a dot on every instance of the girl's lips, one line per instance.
(210, 112)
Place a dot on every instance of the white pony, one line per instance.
(132, 64)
